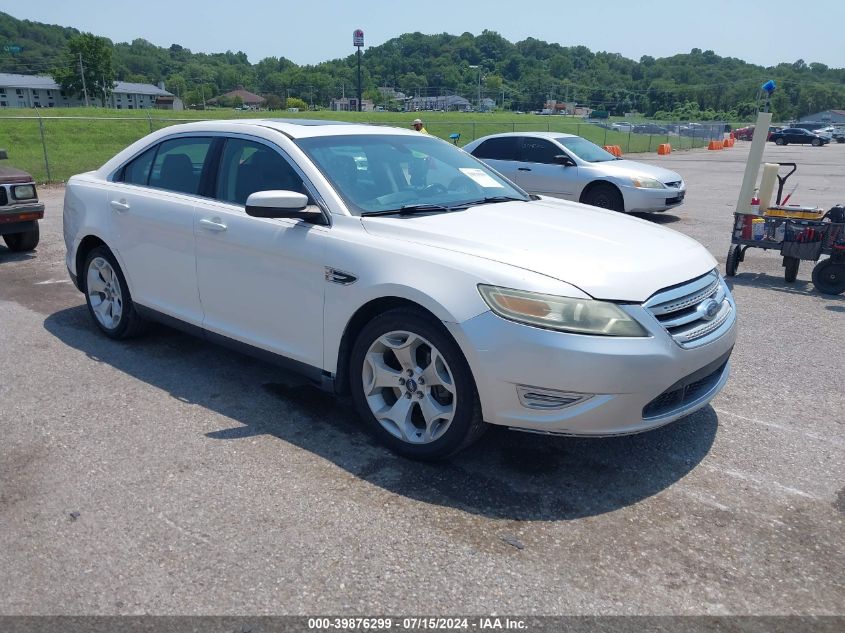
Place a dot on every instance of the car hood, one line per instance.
(622, 168)
(10, 175)
(606, 254)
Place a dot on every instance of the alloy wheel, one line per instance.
(409, 387)
(104, 293)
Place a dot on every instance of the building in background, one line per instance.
(564, 107)
(247, 98)
(833, 117)
(350, 104)
(40, 91)
(442, 102)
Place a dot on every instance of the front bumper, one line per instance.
(633, 384)
(646, 200)
(18, 218)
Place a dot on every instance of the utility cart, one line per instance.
(798, 233)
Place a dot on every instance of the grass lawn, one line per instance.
(81, 139)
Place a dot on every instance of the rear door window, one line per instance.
(501, 148)
(179, 163)
(137, 172)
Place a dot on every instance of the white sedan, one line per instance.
(570, 167)
(393, 266)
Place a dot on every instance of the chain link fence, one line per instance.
(53, 148)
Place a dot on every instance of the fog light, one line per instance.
(536, 398)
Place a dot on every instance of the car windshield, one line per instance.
(380, 173)
(585, 150)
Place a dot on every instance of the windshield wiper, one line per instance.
(411, 209)
(492, 200)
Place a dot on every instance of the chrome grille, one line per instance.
(693, 313)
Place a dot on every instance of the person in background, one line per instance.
(418, 126)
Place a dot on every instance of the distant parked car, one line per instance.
(650, 128)
(744, 133)
(747, 133)
(570, 167)
(20, 209)
(622, 126)
(799, 136)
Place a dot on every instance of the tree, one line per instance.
(296, 102)
(273, 102)
(90, 57)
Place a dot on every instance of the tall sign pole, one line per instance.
(358, 42)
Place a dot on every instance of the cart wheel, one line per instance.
(791, 265)
(829, 277)
(734, 257)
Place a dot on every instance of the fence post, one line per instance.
(473, 130)
(605, 137)
(151, 121)
(44, 145)
(628, 149)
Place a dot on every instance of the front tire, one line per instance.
(108, 298)
(606, 196)
(732, 263)
(412, 385)
(22, 242)
(816, 142)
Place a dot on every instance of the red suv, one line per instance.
(19, 208)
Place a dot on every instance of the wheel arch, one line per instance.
(363, 315)
(599, 183)
(88, 243)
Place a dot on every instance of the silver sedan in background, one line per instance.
(570, 167)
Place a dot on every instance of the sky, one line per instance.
(311, 31)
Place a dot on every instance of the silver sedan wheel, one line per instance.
(409, 387)
(104, 293)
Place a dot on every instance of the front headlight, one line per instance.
(23, 192)
(578, 316)
(641, 182)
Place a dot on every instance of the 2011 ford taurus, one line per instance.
(570, 167)
(396, 267)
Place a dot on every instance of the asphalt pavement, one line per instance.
(168, 476)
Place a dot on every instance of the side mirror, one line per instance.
(282, 204)
(565, 160)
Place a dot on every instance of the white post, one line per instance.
(752, 165)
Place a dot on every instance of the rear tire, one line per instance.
(413, 387)
(107, 296)
(605, 196)
(21, 242)
(780, 141)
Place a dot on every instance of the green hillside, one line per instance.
(518, 76)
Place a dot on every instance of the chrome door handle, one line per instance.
(212, 224)
(119, 205)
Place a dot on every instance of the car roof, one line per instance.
(292, 128)
(550, 135)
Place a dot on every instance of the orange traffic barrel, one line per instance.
(664, 148)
